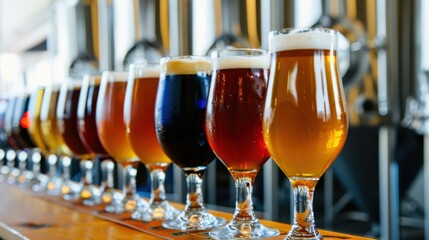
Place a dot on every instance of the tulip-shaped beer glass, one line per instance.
(180, 109)
(139, 112)
(111, 130)
(305, 118)
(234, 130)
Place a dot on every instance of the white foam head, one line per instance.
(145, 70)
(149, 72)
(234, 62)
(185, 65)
(292, 39)
(115, 76)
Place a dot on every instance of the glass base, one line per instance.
(12, 176)
(107, 195)
(53, 187)
(156, 211)
(70, 190)
(127, 204)
(4, 172)
(243, 230)
(194, 221)
(90, 195)
(299, 233)
(38, 182)
(24, 179)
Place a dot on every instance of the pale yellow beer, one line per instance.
(35, 128)
(48, 122)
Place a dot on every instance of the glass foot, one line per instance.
(127, 204)
(243, 230)
(12, 176)
(38, 182)
(53, 187)
(4, 172)
(194, 221)
(70, 190)
(107, 195)
(309, 233)
(24, 178)
(90, 195)
(156, 211)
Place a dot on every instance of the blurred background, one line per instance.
(377, 185)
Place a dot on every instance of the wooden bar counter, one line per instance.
(28, 215)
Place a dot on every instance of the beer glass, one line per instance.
(112, 133)
(305, 119)
(38, 181)
(68, 127)
(55, 143)
(180, 108)
(139, 113)
(20, 125)
(10, 172)
(88, 134)
(234, 131)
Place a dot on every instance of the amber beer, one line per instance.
(234, 112)
(139, 116)
(110, 118)
(305, 120)
(49, 124)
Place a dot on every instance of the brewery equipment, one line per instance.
(76, 37)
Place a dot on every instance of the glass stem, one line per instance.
(66, 161)
(304, 224)
(52, 161)
(157, 177)
(2, 157)
(109, 171)
(244, 204)
(88, 174)
(10, 163)
(22, 164)
(86, 168)
(194, 198)
(130, 174)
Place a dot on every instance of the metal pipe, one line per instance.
(181, 27)
(388, 185)
(426, 185)
(271, 186)
(388, 67)
(105, 18)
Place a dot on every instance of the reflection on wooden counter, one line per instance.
(28, 215)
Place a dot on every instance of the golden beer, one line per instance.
(35, 128)
(306, 129)
(48, 122)
(305, 119)
(110, 119)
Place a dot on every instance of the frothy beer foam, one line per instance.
(150, 72)
(234, 62)
(186, 65)
(318, 39)
(115, 76)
